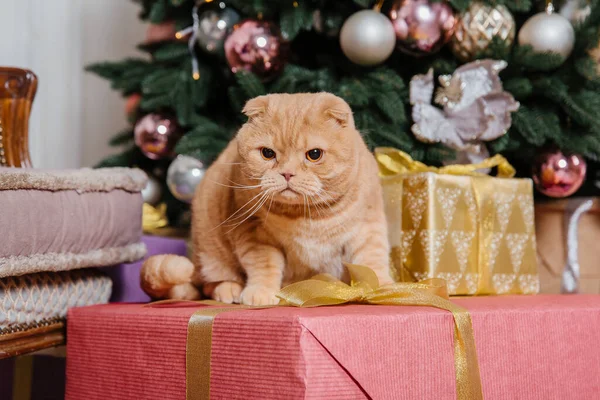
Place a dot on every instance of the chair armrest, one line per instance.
(17, 91)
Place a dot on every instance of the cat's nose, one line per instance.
(287, 175)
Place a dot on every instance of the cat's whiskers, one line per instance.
(330, 197)
(270, 204)
(304, 205)
(307, 206)
(252, 208)
(309, 215)
(256, 178)
(318, 208)
(239, 186)
(239, 209)
(260, 203)
(266, 189)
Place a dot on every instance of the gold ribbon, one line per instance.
(198, 346)
(154, 217)
(324, 290)
(394, 162)
(198, 351)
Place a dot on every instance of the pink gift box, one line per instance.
(529, 347)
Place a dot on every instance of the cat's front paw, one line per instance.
(227, 292)
(257, 295)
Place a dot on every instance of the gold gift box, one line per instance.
(475, 231)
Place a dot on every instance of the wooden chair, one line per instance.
(17, 91)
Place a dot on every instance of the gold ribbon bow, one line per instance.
(393, 162)
(324, 290)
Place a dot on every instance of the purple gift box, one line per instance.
(126, 277)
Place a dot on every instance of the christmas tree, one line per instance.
(408, 68)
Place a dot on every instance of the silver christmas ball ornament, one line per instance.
(152, 192)
(548, 32)
(183, 175)
(215, 21)
(367, 38)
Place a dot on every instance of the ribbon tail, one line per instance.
(198, 350)
(466, 365)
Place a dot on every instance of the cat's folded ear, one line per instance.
(256, 106)
(336, 108)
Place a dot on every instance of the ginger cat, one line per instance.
(295, 193)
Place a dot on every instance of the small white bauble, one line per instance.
(367, 38)
(548, 33)
(152, 192)
(183, 175)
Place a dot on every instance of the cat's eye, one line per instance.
(267, 153)
(314, 155)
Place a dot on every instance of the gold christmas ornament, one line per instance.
(478, 26)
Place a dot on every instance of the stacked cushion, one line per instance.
(34, 299)
(53, 222)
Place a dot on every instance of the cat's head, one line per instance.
(299, 146)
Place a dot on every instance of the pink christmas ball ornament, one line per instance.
(257, 47)
(422, 27)
(156, 135)
(556, 174)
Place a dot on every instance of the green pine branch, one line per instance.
(559, 99)
(296, 16)
(526, 57)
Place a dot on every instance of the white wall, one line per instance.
(74, 113)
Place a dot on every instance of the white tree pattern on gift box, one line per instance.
(407, 238)
(503, 205)
(433, 242)
(493, 240)
(447, 198)
(516, 245)
(461, 240)
(503, 283)
(526, 207)
(417, 202)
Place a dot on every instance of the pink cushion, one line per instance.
(61, 220)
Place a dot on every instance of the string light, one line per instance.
(194, 29)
